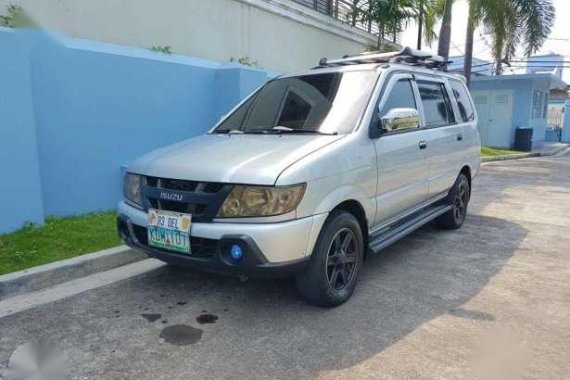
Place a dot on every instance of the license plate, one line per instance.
(169, 230)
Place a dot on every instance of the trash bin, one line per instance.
(523, 139)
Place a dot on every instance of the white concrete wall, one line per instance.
(279, 34)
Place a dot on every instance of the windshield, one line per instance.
(318, 103)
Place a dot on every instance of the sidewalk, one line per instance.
(551, 148)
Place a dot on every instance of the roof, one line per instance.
(478, 66)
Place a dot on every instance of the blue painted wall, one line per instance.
(523, 87)
(90, 108)
(20, 185)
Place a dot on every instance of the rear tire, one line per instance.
(336, 261)
(459, 197)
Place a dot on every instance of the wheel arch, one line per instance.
(354, 207)
(466, 170)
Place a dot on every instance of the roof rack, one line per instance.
(406, 56)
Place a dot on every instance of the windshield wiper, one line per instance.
(282, 129)
(275, 130)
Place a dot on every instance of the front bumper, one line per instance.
(270, 249)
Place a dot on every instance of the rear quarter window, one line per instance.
(463, 100)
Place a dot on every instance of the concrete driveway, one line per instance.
(490, 301)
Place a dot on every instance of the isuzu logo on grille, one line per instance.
(171, 196)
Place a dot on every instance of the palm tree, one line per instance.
(513, 23)
(427, 14)
(390, 15)
(445, 30)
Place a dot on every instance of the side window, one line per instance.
(401, 96)
(462, 97)
(437, 107)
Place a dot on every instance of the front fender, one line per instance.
(323, 195)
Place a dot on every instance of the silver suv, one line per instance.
(311, 173)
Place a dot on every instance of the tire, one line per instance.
(336, 262)
(459, 197)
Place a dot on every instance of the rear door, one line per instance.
(401, 157)
(443, 135)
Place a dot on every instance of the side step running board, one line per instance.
(382, 240)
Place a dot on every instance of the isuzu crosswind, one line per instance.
(311, 173)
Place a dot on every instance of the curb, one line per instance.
(510, 157)
(47, 275)
(525, 155)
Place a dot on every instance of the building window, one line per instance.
(539, 104)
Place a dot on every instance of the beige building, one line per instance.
(281, 35)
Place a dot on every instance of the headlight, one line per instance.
(132, 188)
(250, 201)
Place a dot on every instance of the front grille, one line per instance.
(200, 247)
(200, 199)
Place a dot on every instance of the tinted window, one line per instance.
(401, 96)
(437, 108)
(463, 102)
(319, 102)
(295, 111)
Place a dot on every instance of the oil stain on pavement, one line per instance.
(151, 317)
(181, 335)
(206, 318)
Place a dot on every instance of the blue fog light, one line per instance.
(236, 252)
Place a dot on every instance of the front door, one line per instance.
(401, 156)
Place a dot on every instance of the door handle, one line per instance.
(459, 137)
(423, 144)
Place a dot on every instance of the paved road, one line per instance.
(491, 298)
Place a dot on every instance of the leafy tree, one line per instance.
(427, 14)
(391, 16)
(514, 23)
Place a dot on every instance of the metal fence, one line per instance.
(351, 12)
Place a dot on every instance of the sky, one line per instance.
(481, 49)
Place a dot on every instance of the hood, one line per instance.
(248, 159)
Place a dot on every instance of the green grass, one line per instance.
(57, 239)
(494, 152)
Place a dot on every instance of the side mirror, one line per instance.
(399, 119)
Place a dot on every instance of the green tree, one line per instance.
(427, 14)
(390, 16)
(514, 23)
